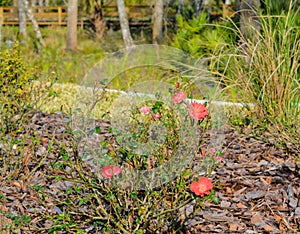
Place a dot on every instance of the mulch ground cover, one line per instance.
(259, 188)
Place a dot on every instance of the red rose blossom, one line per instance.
(109, 171)
(178, 85)
(197, 111)
(202, 186)
(179, 96)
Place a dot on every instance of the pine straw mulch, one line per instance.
(259, 187)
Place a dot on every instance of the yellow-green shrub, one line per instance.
(18, 93)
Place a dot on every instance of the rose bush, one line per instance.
(123, 201)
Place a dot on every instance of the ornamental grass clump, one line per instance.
(264, 71)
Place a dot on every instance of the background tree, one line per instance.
(197, 6)
(22, 19)
(35, 25)
(158, 17)
(180, 6)
(72, 25)
(124, 24)
(33, 3)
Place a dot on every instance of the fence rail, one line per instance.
(57, 15)
(43, 15)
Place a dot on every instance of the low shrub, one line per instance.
(18, 92)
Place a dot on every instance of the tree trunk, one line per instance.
(72, 25)
(158, 17)
(41, 3)
(124, 24)
(35, 25)
(206, 2)
(22, 19)
(197, 6)
(249, 21)
(33, 3)
(180, 6)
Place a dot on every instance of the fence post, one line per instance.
(1, 13)
(59, 15)
(224, 10)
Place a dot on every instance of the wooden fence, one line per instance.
(57, 15)
(43, 15)
(137, 15)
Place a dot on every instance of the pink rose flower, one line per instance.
(197, 111)
(109, 171)
(155, 116)
(145, 110)
(201, 187)
(219, 159)
(212, 150)
(179, 96)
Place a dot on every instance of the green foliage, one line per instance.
(199, 38)
(5, 2)
(16, 221)
(68, 67)
(276, 7)
(15, 81)
(18, 94)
